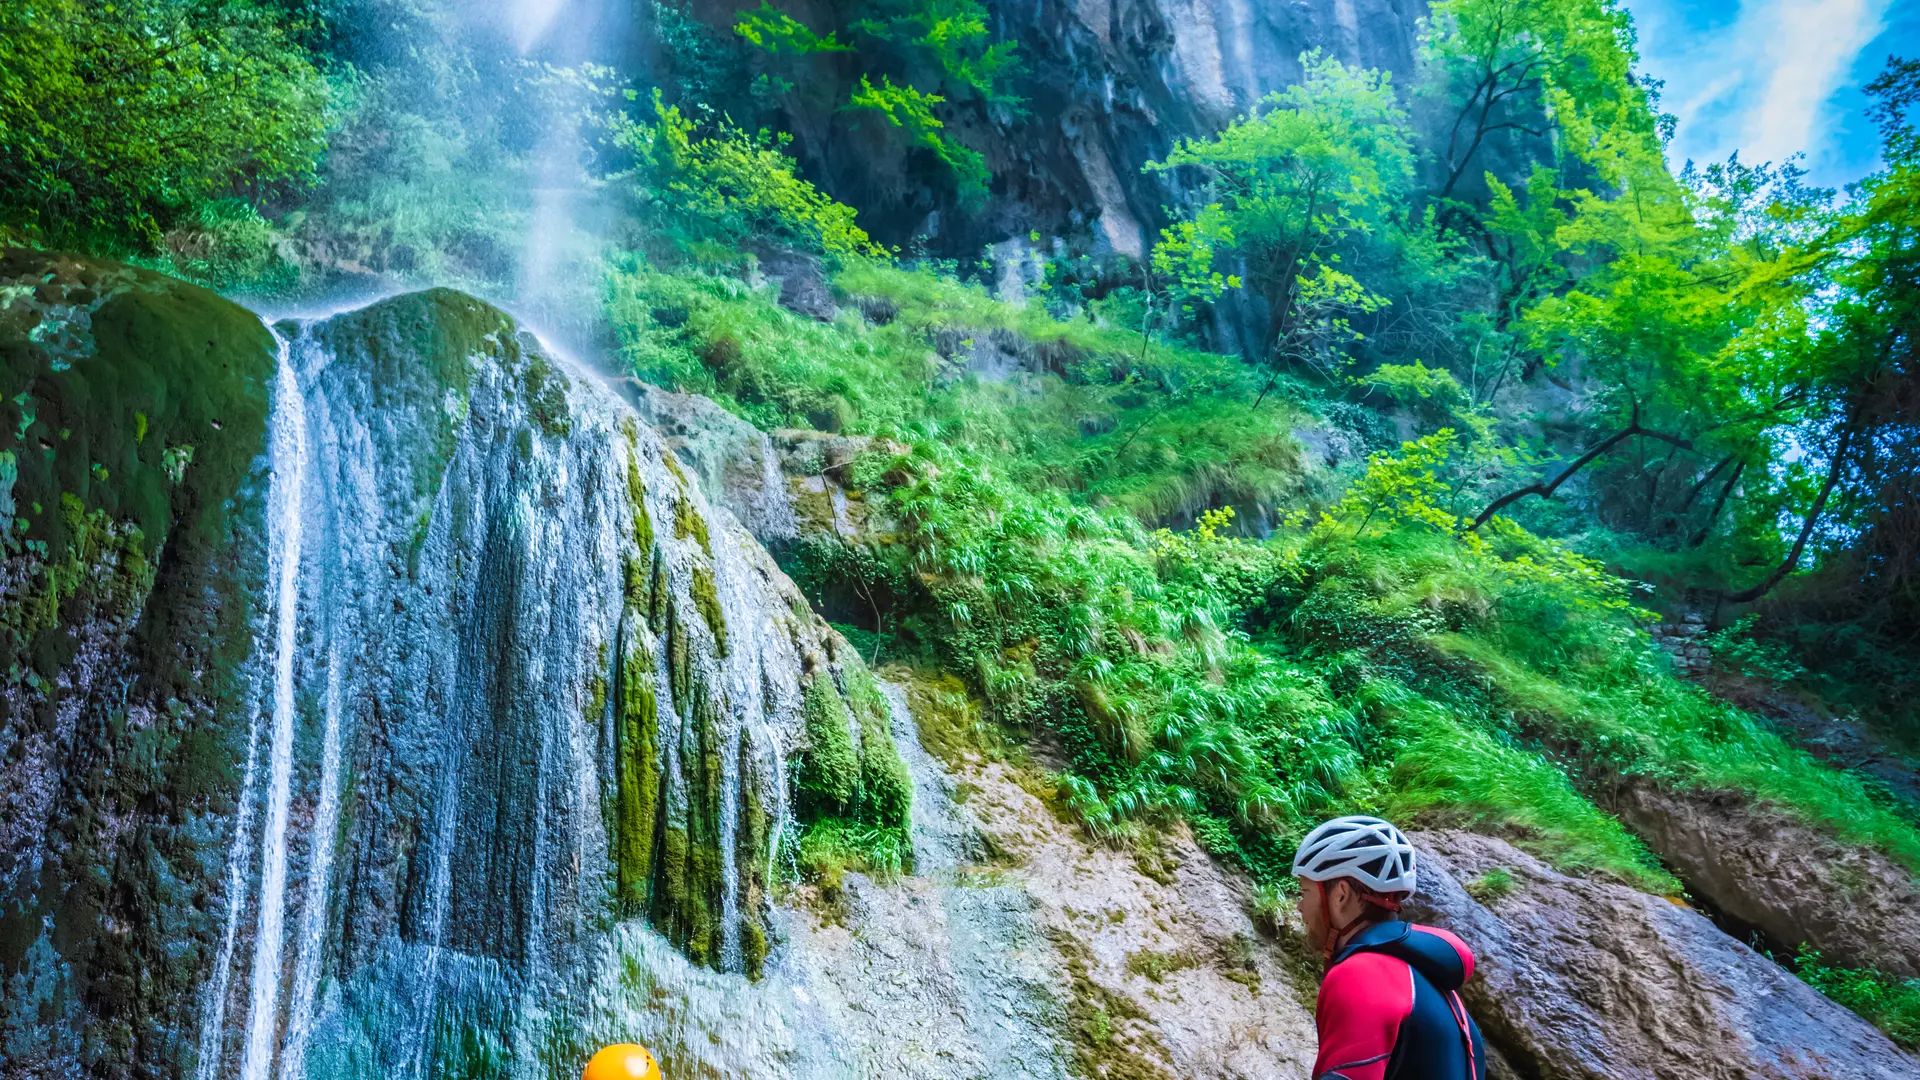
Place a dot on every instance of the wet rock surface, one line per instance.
(1791, 881)
(385, 670)
(133, 414)
(1165, 967)
(737, 465)
(1586, 979)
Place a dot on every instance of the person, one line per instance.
(1389, 1006)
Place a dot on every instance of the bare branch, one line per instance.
(1547, 489)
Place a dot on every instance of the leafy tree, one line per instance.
(1536, 68)
(728, 186)
(1288, 193)
(118, 120)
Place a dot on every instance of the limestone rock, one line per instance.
(1587, 980)
(1796, 884)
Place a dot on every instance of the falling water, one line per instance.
(285, 510)
(313, 922)
(289, 450)
(215, 1009)
(939, 837)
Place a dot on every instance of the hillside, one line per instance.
(855, 539)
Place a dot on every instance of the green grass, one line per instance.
(1496, 884)
(1097, 411)
(1886, 1002)
(1368, 657)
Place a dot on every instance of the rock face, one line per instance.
(133, 413)
(1015, 949)
(1588, 980)
(1790, 881)
(1110, 85)
(355, 683)
(736, 464)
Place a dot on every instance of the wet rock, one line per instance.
(1791, 881)
(133, 412)
(736, 464)
(1159, 963)
(1587, 980)
(804, 288)
(399, 652)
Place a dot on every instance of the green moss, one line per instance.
(688, 522)
(947, 716)
(705, 598)
(420, 351)
(546, 390)
(886, 788)
(638, 725)
(829, 775)
(688, 887)
(753, 856)
(1104, 1045)
(637, 496)
(1493, 885)
(1156, 966)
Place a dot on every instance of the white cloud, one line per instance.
(1764, 83)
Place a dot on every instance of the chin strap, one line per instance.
(1337, 934)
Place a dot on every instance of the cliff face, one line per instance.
(1109, 86)
(353, 677)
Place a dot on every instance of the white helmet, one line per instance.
(1363, 848)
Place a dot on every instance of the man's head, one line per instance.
(1353, 871)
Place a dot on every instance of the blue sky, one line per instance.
(1771, 78)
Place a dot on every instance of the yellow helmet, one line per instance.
(622, 1061)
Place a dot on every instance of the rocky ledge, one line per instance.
(1582, 979)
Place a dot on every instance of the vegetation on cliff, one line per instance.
(1514, 390)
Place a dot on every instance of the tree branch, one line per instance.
(1806, 526)
(1714, 514)
(1547, 489)
(1704, 481)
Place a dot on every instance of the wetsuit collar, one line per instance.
(1380, 933)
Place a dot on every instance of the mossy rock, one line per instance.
(140, 399)
(133, 428)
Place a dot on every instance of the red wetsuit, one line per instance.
(1390, 1008)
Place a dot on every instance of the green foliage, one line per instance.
(1293, 188)
(886, 789)
(1506, 68)
(912, 111)
(953, 35)
(118, 122)
(1736, 649)
(829, 847)
(1888, 1003)
(777, 32)
(925, 54)
(829, 776)
(725, 185)
(1493, 886)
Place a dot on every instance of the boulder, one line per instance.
(1767, 869)
(1582, 979)
(735, 463)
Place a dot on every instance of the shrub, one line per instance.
(119, 121)
(1888, 1003)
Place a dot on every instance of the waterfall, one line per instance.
(939, 837)
(460, 534)
(285, 508)
(313, 919)
(214, 1007)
